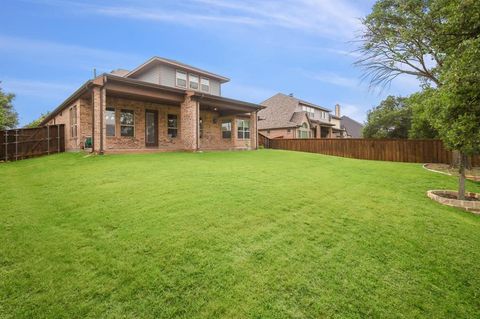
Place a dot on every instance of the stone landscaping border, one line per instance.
(434, 170)
(468, 205)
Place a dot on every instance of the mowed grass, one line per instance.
(265, 234)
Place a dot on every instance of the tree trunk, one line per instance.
(461, 179)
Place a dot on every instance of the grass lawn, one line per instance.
(266, 234)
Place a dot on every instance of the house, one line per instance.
(352, 128)
(286, 116)
(160, 105)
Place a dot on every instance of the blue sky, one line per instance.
(48, 48)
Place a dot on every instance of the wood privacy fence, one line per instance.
(29, 142)
(397, 150)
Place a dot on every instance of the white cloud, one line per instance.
(332, 78)
(353, 111)
(69, 54)
(338, 19)
(40, 89)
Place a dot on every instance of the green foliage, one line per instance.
(8, 116)
(226, 235)
(455, 106)
(36, 123)
(390, 119)
(421, 126)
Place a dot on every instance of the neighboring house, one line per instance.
(352, 128)
(285, 116)
(162, 104)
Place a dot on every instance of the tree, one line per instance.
(36, 123)
(8, 116)
(390, 119)
(421, 126)
(455, 106)
(436, 41)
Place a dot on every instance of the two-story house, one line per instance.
(160, 105)
(285, 116)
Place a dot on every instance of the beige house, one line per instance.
(160, 105)
(285, 116)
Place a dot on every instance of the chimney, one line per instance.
(337, 110)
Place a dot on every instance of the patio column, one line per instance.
(253, 131)
(330, 132)
(98, 127)
(234, 132)
(189, 117)
(318, 131)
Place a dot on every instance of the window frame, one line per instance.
(304, 129)
(229, 130)
(177, 71)
(190, 75)
(175, 128)
(127, 125)
(111, 109)
(207, 85)
(244, 130)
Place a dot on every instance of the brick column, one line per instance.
(318, 133)
(253, 130)
(98, 127)
(330, 132)
(234, 132)
(189, 121)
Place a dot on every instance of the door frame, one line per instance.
(154, 144)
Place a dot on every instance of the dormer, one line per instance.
(178, 75)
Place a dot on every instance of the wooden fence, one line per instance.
(397, 150)
(29, 142)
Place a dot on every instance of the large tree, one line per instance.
(8, 116)
(36, 122)
(433, 40)
(390, 119)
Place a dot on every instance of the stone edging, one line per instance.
(468, 205)
(433, 170)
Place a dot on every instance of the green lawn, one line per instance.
(266, 234)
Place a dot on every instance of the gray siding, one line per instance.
(151, 75)
(165, 75)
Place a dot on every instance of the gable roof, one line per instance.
(278, 112)
(353, 128)
(159, 60)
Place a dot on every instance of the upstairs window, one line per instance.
(181, 79)
(310, 111)
(205, 85)
(73, 122)
(193, 80)
(172, 125)
(110, 121)
(127, 123)
(226, 129)
(243, 127)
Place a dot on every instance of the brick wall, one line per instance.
(279, 133)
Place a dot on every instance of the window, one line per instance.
(73, 122)
(310, 110)
(226, 129)
(110, 121)
(172, 125)
(304, 132)
(205, 85)
(193, 79)
(243, 127)
(181, 79)
(200, 125)
(127, 123)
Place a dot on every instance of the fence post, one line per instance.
(16, 145)
(58, 138)
(6, 145)
(48, 139)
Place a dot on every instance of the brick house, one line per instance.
(160, 105)
(286, 116)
